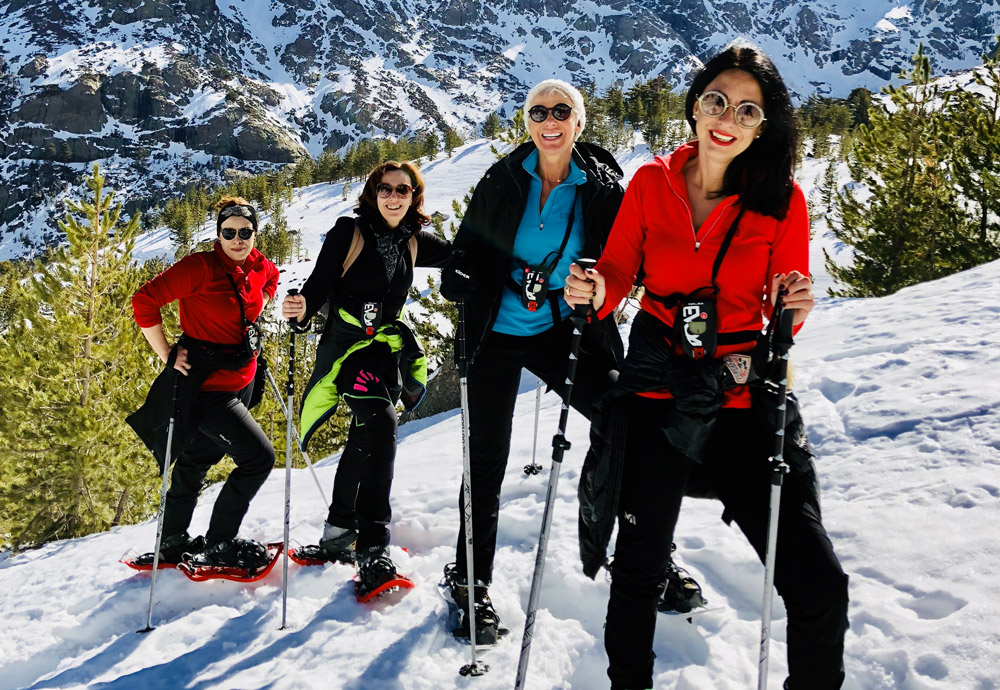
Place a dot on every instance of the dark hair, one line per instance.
(369, 197)
(761, 175)
(227, 201)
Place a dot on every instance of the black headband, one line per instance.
(239, 210)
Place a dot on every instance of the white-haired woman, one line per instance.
(549, 202)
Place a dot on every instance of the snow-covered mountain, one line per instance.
(900, 405)
(157, 88)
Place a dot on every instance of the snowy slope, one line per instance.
(902, 409)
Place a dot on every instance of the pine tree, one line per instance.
(902, 234)
(452, 140)
(491, 126)
(975, 121)
(75, 364)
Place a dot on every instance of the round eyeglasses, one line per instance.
(747, 115)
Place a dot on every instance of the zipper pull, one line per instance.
(697, 245)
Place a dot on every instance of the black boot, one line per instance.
(681, 593)
(174, 549)
(244, 554)
(374, 570)
(489, 627)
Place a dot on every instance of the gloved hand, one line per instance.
(457, 282)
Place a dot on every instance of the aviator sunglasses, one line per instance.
(747, 115)
(539, 113)
(385, 190)
(230, 233)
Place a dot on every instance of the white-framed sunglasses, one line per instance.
(747, 115)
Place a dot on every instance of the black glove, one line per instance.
(457, 283)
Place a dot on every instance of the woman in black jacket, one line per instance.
(549, 202)
(367, 355)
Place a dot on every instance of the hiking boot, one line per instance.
(374, 569)
(245, 554)
(489, 627)
(174, 549)
(337, 543)
(681, 593)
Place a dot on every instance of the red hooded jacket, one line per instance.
(654, 229)
(208, 307)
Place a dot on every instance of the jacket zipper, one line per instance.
(687, 207)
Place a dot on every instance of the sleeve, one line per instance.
(329, 266)
(623, 254)
(271, 281)
(470, 236)
(180, 280)
(432, 251)
(790, 250)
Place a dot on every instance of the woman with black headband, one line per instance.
(368, 357)
(720, 229)
(221, 293)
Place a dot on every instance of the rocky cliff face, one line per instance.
(139, 84)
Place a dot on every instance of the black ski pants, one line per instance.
(494, 377)
(808, 575)
(224, 427)
(362, 487)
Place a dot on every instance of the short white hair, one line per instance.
(565, 89)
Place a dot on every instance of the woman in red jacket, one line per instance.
(718, 228)
(221, 293)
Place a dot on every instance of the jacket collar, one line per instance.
(253, 258)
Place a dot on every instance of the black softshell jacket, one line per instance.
(486, 236)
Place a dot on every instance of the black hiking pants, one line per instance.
(224, 427)
(494, 377)
(808, 575)
(362, 487)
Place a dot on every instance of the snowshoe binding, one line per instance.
(377, 575)
(239, 560)
(681, 593)
(173, 550)
(336, 546)
(489, 628)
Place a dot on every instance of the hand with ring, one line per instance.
(584, 287)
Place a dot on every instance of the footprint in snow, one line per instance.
(935, 605)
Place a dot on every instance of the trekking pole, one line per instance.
(534, 467)
(163, 499)
(780, 346)
(474, 667)
(298, 438)
(559, 447)
(290, 392)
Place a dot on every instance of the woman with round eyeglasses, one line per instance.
(367, 356)
(221, 293)
(547, 203)
(720, 229)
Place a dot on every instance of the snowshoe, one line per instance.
(173, 550)
(239, 560)
(336, 546)
(315, 554)
(377, 575)
(681, 593)
(489, 628)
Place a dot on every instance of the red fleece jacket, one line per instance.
(208, 307)
(654, 229)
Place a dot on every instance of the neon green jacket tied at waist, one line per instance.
(345, 337)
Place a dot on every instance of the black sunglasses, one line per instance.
(385, 190)
(230, 233)
(539, 113)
